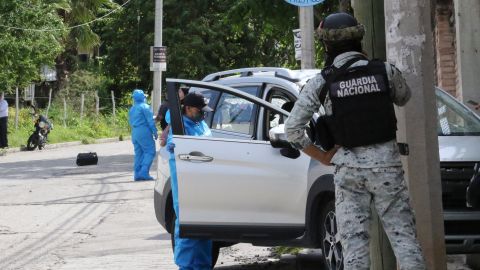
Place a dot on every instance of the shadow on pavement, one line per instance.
(45, 169)
(162, 236)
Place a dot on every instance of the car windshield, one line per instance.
(454, 119)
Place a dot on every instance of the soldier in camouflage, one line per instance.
(364, 174)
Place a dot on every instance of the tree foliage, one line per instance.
(202, 36)
(78, 15)
(24, 52)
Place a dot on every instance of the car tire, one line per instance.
(215, 245)
(330, 242)
(31, 144)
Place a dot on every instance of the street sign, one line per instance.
(158, 58)
(304, 3)
(297, 43)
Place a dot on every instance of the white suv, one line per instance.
(245, 184)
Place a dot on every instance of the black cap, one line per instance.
(196, 100)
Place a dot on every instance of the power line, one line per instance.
(65, 28)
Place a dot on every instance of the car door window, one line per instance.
(280, 99)
(234, 114)
(211, 97)
(454, 119)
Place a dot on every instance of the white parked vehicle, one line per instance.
(246, 184)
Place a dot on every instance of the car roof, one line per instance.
(293, 78)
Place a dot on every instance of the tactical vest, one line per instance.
(362, 110)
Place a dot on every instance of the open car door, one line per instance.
(235, 188)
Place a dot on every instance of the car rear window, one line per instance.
(454, 119)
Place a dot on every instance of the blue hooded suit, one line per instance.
(143, 133)
(190, 254)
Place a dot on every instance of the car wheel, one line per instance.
(172, 229)
(331, 247)
(215, 245)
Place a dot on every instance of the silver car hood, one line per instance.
(459, 148)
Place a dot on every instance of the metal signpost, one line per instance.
(157, 74)
(306, 25)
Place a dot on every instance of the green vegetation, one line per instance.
(202, 36)
(278, 251)
(86, 130)
(23, 53)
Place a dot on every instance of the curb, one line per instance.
(67, 144)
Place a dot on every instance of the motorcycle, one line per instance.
(39, 136)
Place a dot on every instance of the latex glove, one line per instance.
(170, 147)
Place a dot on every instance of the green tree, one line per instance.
(202, 36)
(77, 15)
(24, 51)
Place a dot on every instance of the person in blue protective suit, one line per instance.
(190, 254)
(143, 134)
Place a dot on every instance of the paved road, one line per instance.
(57, 216)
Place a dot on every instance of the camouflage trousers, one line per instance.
(355, 189)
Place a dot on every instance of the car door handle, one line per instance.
(195, 157)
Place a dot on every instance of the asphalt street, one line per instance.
(57, 216)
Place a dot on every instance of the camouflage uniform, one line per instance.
(363, 175)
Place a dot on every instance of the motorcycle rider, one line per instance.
(358, 96)
(42, 126)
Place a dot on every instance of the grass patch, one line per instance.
(278, 251)
(86, 130)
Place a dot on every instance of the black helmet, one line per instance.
(340, 27)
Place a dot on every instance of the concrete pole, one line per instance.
(157, 75)
(307, 30)
(371, 14)
(410, 48)
(17, 107)
(467, 24)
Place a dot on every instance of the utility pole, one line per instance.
(157, 74)
(410, 47)
(371, 14)
(307, 30)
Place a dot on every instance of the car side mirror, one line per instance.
(277, 136)
(278, 139)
